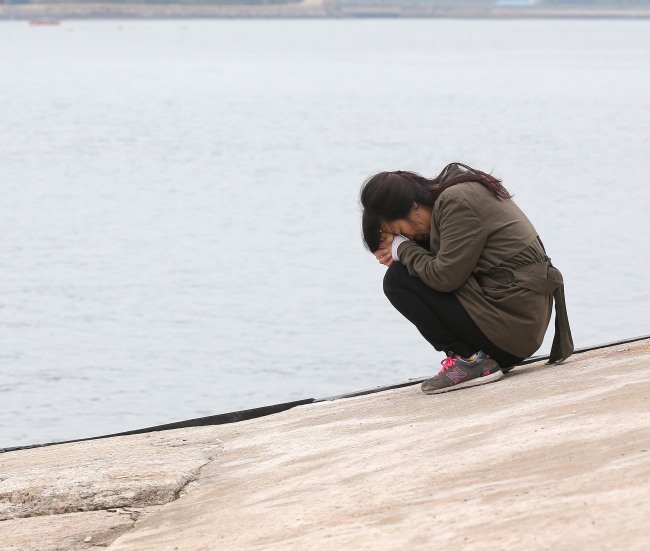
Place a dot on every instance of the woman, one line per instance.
(467, 268)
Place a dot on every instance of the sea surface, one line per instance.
(179, 219)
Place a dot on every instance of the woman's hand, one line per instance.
(383, 254)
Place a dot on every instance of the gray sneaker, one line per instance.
(459, 372)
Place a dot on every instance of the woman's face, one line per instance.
(415, 227)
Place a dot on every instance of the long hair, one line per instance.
(389, 196)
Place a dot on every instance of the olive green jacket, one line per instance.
(487, 252)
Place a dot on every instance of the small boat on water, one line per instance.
(44, 22)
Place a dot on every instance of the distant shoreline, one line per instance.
(308, 9)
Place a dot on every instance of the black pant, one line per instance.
(440, 317)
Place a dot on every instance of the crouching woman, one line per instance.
(467, 268)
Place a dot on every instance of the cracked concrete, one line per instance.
(68, 531)
(551, 457)
(55, 498)
(126, 471)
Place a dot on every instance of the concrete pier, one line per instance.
(550, 457)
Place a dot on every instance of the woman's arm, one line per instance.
(462, 238)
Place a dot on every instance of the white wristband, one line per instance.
(397, 241)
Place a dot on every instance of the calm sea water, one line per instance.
(180, 229)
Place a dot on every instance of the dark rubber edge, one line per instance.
(220, 419)
(236, 416)
(530, 360)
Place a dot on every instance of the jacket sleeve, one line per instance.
(462, 239)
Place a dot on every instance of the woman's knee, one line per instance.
(394, 278)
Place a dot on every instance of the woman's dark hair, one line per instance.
(389, 196)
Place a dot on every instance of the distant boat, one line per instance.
(515, 3)
(44, 22)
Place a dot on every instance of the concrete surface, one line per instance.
(550, 457)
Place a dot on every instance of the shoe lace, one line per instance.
(448, 363)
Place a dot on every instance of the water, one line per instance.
(179, 217)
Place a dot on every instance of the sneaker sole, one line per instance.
(474, 382)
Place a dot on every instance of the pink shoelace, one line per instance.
(448, 363)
